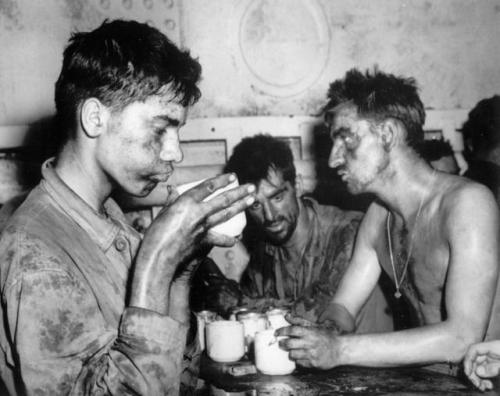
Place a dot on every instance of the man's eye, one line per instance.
(278, 197)
(350, 141)
(255, 206)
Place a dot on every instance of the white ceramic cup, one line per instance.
(232, 227)
(225, 341)
(270, 359)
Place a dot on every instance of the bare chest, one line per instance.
(417, 264)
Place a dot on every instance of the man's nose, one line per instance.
(171, 148)
(337, 154)
(268, 212)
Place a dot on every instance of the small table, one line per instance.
(341, 381)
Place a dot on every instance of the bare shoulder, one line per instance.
(459, 198)
(458, 191)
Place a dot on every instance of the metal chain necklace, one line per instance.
(399, 282)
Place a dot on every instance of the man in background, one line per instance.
(440, 155)
(89, 306)
(299, 249)
(434, 234)
(481, 134)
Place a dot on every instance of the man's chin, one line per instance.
(354, 188)
(277, 239)
(145, 191)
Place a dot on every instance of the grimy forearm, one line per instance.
(151, 281)
(425, 345)
(179, 302)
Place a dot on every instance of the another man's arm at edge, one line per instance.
(471, 225)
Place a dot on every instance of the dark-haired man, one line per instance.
(298, 248)
(79, 318)
(434, 234)
(439, 154)
(481, 134)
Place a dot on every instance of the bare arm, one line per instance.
(469, 222)
(363, 272)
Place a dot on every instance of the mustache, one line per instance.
(274, 221)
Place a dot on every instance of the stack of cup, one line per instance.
(253, 322)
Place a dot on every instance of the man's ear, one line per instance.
(299, 185)
(93, 117)
(390, 132)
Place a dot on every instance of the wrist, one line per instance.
(151, 284)
(341, 350)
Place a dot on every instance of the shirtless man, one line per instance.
(434, 234)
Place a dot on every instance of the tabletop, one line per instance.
(242, 379)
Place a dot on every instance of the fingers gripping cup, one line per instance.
(225, 341)
(232, 227)
(276, 318)
(270, 359)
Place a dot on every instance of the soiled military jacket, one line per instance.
(63, 279)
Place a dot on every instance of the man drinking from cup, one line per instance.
(89, 306)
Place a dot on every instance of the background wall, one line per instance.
(449, 46)
(266, 64)
(267, 57)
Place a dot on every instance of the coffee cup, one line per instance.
(232, 227)
(225, 341)
(270, 359)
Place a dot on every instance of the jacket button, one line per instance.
(120, 244)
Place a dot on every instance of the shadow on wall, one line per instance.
(330, 189)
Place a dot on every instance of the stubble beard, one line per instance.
(287, 233)
(360, 186)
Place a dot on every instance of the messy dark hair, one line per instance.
(122, 62)
(481, 131)
(255, 156)
(378, 96)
